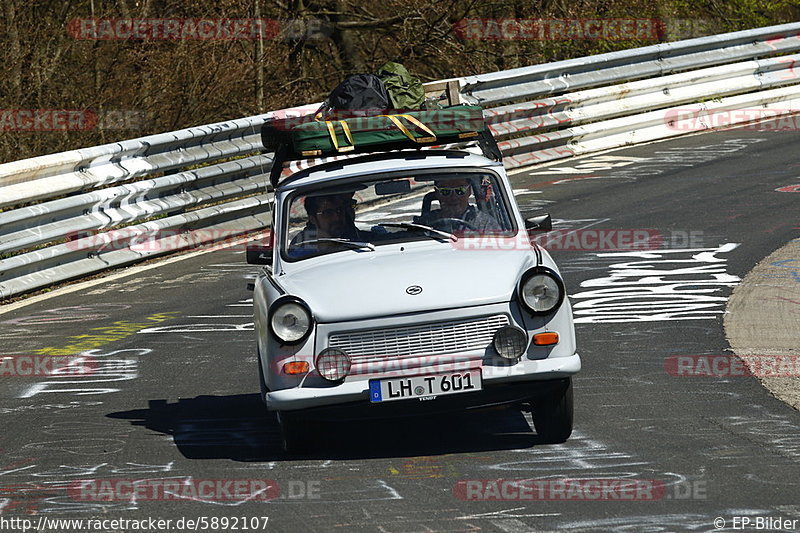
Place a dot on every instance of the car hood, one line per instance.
(360, 285)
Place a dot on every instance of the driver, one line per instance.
(453, 196)
(329, 217)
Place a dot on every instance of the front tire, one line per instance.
(261, 382)
(553, 415)
(296, 434)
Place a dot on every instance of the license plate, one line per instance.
(424, 387)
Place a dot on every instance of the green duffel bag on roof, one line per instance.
(405, 91)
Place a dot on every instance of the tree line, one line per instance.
(87, 72)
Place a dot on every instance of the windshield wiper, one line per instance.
(354, 244)
(420, 227)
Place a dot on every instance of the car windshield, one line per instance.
(358, 216)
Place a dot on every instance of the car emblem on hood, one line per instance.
(414, 290)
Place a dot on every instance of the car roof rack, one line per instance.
(278, 139)
(337, 164)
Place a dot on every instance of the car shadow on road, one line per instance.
(238, 427)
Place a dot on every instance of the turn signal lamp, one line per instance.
(296, 367)
(545, 339)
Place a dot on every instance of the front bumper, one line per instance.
(520, 380)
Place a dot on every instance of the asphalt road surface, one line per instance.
(171, 399)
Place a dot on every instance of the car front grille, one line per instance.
(439, 338)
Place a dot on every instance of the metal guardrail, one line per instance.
(58, 201)
(638, 63)
(71, 214)
(559, 127)
(672, 77)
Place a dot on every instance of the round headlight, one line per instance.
(541, 290)
(290, 320)
(510, 342)
(333, 364)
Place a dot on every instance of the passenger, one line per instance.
(453, 196)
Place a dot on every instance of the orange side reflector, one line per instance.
(545, 339)
(298, 367)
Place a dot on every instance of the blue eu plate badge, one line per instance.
(375, 391)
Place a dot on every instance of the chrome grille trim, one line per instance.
(438, 338)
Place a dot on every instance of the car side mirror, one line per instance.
(539, 223)
(260, 252)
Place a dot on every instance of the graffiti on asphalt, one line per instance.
(660, 285)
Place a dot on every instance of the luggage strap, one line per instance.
(393, 118)
(396, 121)
(335, 141)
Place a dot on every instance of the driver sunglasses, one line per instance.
(446, 191)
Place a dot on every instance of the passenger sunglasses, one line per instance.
(446, 191)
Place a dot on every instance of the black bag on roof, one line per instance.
(357, 95)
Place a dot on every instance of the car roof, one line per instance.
(385, 162)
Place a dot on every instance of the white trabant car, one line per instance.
(406, 282)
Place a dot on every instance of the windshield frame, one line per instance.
(509, 203)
